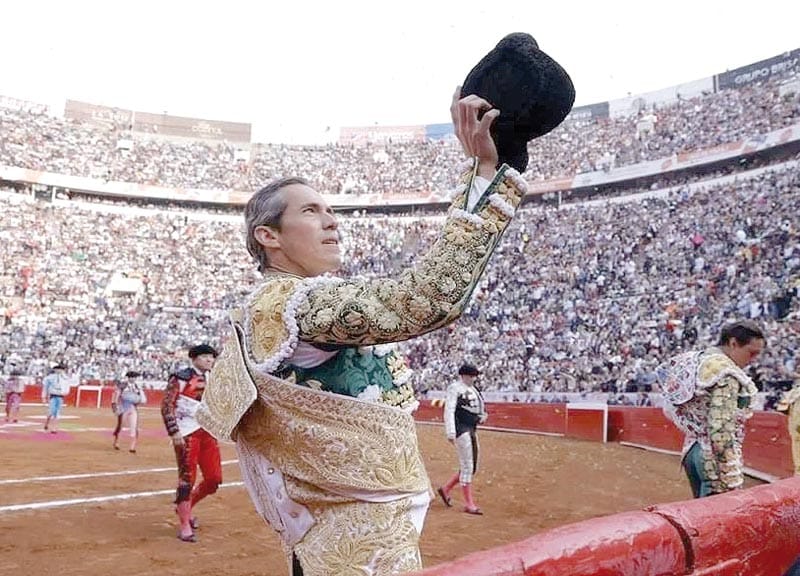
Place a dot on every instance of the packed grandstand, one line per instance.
(653, 220)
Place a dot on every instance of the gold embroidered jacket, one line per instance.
(790, 404)
(285, 310)
(715, 418)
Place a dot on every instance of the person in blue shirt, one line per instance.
(54, 387)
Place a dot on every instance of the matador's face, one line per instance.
(307, 243)
(744, 354)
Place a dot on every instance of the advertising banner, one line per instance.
(788, 62)
(195, 128)
(381, 134)
(97, 115)
(22, 105)
(588, 112)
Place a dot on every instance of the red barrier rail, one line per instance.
(628, 543)
(754, 532)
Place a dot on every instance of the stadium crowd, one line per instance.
(585, 298)
(41, 142)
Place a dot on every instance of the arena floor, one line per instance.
(527, 484)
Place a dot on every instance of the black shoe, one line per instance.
(190, 538)
(476, 511)
(445, 498)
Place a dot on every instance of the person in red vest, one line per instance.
(193, 445)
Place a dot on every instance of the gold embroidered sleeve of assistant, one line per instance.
(789, 398)
(726, 467)
(434, 293)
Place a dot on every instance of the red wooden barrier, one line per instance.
(767, 444)
(754, 532)
(546, 418)
(647, 426)
(587, 423)
(427, 412)
(631, 543)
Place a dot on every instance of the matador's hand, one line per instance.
(474, 133)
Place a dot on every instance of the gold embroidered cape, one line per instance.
(349, 473)
(789, 404)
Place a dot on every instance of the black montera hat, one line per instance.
(468, 370)
(201, 349)
(532, 91)
(132, 374)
